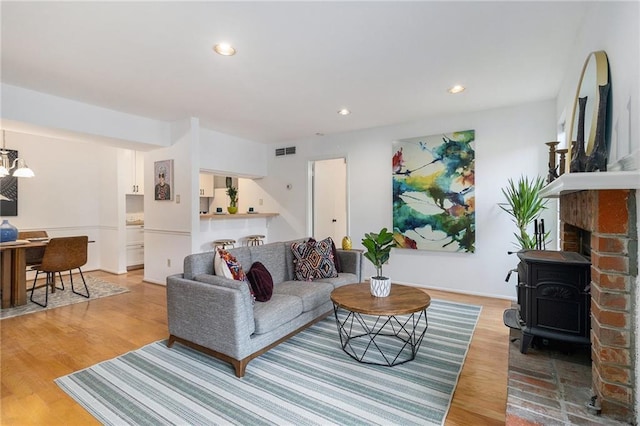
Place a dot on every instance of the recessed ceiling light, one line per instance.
(224, 49)
(344, 111)
(456, 89)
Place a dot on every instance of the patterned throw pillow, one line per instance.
(225, 264)
(220, 267)
(313, 260)
(334, 252)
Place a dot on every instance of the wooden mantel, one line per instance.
(572, 182)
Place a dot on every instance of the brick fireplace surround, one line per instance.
(611, 217)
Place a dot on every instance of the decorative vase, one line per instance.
(597, 160)
(346, 243)
(232, 209)
(380, 287)
(578, 155)
(8, 232)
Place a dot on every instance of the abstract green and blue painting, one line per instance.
(433, 192)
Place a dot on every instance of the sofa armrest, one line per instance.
(198, 263)
(213, 316)
(351, 262)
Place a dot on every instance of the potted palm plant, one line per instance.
(379, 247)
(525, 205)
(232, 193)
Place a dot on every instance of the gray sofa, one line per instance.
(217, 315)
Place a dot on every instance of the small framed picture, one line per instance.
(163, 179)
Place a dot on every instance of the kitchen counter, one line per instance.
(135, 223)
(237, 216)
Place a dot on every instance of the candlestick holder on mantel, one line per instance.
(563, 160)
(553, 172)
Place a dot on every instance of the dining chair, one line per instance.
(61, 255)
(33, 254)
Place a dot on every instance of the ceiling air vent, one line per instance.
(290, 150)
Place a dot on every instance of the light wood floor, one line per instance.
(38, 348)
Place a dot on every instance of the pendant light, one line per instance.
(19, 166)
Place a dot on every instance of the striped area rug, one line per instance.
(307, 380)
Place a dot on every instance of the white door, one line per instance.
(330, 199)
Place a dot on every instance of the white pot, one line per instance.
(380, 287)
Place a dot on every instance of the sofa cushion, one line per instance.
(226, 265)
(230, 266)
(281, 309)
(313, 260)
(343, 278)
(261, 282)
(289, 257)
(312, 293)
(220, 267)
(334, 252)
(272, 257)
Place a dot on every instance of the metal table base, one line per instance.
(380, 340)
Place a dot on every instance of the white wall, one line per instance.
(232, 156)
(72, 193)
(77, 152)
(509, 142)
(170, 225)
(77, 120)
(174, 229)
(225, 153)
(614, 28)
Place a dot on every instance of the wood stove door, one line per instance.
(560, 303)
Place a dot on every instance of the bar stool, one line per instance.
(224, 243)
(255, 240)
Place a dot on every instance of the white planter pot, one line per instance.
(380, 287)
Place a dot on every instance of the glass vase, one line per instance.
(8, 232)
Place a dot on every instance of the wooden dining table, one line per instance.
(13, 277)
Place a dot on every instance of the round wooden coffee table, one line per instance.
(380, 330)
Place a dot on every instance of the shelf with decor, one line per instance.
(237, 216)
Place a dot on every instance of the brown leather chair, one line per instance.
(62, 254)
(33, 254)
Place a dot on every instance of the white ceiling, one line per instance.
(297, 62)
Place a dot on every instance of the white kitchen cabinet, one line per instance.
(134, 169)
(135, 257)
(135, 245)
(206, 185)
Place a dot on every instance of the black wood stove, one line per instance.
(554, 297)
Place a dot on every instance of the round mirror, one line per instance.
(595, 73)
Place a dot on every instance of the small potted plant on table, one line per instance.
(378, 251)
(232, 193)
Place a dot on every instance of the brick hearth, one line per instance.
(610, 216)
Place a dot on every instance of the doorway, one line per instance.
(329, 199)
